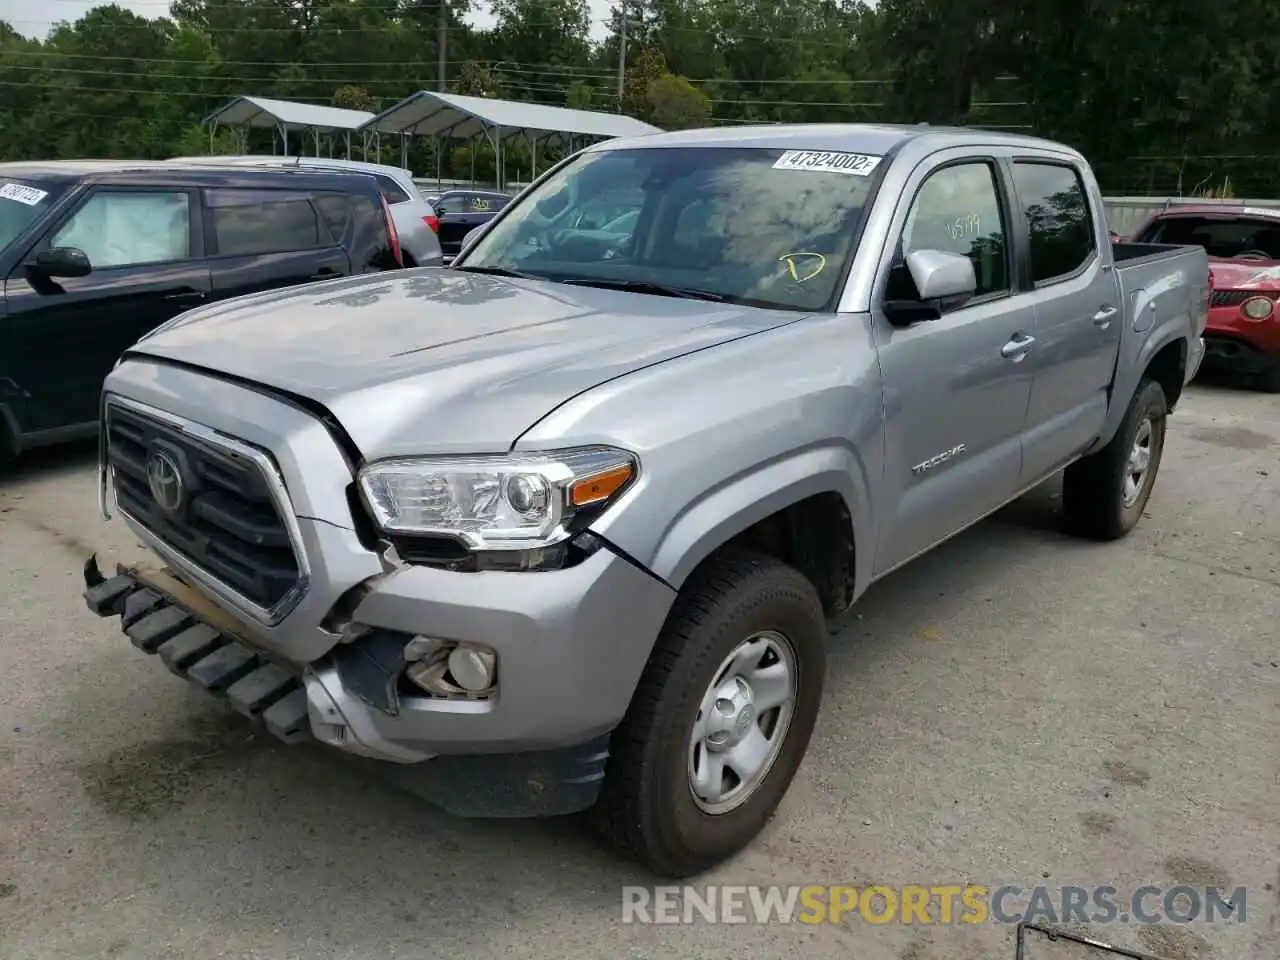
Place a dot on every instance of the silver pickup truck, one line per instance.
(564, 525)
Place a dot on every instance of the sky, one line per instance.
(33, 18)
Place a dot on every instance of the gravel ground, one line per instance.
(1016, 708)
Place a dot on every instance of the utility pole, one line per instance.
(442, 44)
(624, 21)
(622, 50)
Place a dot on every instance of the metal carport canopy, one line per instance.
(430, 114)
(264, 112)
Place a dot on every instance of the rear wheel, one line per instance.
(721, 719)
(1105, 493)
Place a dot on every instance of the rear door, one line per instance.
(1078, 314)
(263, 239)
(145, 249)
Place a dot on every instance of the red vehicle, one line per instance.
(1243, 243)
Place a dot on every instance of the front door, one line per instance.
(1078, 315)
(956, 388)
(67, 332)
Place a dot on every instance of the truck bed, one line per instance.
(1164, 290)
(1125, 252)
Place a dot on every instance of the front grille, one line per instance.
(226, 521)
(1233, 298)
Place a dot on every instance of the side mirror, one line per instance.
(941, 279)
(63, 262)
(941, 276)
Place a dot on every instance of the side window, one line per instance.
(248, 222)
(454, 203)
(125, 228)
(336, 210)
(480, 204)
(1059, 222)
(391, 191)
(958, 211)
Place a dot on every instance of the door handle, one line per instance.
(1016, 349)
(1104, 317)
(186, 296)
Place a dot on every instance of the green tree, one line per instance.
(647, 67)
(676, 104)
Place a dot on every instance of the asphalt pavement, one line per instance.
(1015, 708)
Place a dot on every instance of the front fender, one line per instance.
(726, 511)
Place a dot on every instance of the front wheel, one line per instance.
(1105, 493)
(721, 719)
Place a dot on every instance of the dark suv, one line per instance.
(94, 254)
(461, 211)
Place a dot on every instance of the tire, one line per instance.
(647, 805)
(1269, 380)
(1096, 501)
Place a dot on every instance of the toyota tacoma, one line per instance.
(564, 526)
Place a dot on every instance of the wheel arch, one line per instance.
(808, 510)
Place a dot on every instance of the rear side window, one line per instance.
(470, 203)
(370, 243)
(391, 191)
(248, 222)
(336, 210)
(1059, 222)
(129, 227)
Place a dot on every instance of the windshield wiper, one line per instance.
(500, 272)
(658, 289)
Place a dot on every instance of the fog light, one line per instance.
(1257, 308)
(471, 668)
(446, 669)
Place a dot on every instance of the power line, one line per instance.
(715, 33)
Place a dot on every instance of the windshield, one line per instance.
(1226, 237)
(21, 202)
(767, 227)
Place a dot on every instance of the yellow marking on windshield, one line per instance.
(798, 275)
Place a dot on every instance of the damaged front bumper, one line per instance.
(163, 617)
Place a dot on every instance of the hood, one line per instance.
(436, 361)
(1261, 275)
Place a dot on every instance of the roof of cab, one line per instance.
(872, 138)
(144, 170)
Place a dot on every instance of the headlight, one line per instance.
(517, 501)
(1257, 308)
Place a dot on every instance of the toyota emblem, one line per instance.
(165, 481)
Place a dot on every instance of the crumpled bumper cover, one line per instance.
(273, 695)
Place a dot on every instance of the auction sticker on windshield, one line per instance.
(825, 161)
(22, 193)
